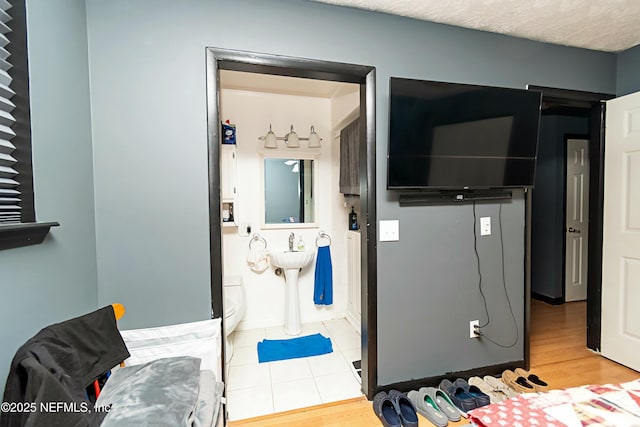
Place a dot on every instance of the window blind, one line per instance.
(9, 194)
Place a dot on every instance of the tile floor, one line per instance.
(255, 389)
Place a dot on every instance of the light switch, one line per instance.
(485, 226)
(389, 230)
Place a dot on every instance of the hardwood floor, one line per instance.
(559, 352)
(558, 355)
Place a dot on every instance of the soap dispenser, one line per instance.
(300, 244)
(353, 220)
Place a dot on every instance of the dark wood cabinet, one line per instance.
(350, 158)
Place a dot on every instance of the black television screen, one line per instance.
(459, 136)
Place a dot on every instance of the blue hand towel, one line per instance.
(310, 345)
(323, 287)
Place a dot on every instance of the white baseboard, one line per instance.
(355, 321)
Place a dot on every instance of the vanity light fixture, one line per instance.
(314, 139)
(270, 139)
(291, 139)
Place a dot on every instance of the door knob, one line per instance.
(573, 230)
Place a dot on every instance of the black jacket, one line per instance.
(50, 372)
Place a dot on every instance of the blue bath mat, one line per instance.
(310, 345)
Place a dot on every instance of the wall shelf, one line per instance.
(24, 234)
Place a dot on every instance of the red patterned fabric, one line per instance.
(611, 405)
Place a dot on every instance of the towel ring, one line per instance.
(257, 238)
(323, 235)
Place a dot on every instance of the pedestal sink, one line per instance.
(291, 263)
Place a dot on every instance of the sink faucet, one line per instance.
(291, 239)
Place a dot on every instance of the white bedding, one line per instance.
(200, 340)
(196, 339)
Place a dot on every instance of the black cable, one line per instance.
(504, 286)
(504, 283)
(475, 249)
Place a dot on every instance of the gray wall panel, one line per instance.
(55, 280)
(148, 105)
(628, 70)
(429, 290)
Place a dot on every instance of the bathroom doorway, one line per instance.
(224, 68)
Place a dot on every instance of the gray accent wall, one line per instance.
(430, 289)
(138, 233)
(628, 71)
(548, 215)
(147, 67)
(55, 280)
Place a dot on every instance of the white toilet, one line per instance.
(234, 307)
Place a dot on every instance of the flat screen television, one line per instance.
(449, 136)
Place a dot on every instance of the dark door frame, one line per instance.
(591, 104)
(224, 59)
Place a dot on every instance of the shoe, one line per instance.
(445, 404)
(406, 410)
(517, 382)
(386, 410)
(427, 407)
(463, 400)
(534, 380)
(480, 398)
(500, 387)
(495, 395)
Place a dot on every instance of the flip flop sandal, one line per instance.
(386, 410)
(445, 405)
(406, 410)
(533, 379)
(427, 408)
(517, 382)
(493, 394)
(500, 386)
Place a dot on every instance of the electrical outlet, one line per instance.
(485, 226)
(472, 328)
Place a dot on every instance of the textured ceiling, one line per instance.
(607, 25)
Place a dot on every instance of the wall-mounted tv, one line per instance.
(457, 136)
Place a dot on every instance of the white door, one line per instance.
(577, 220)
(621, 244)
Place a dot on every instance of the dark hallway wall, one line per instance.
(628, 71)
(547, 224)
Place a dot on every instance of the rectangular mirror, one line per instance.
(289, 193)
